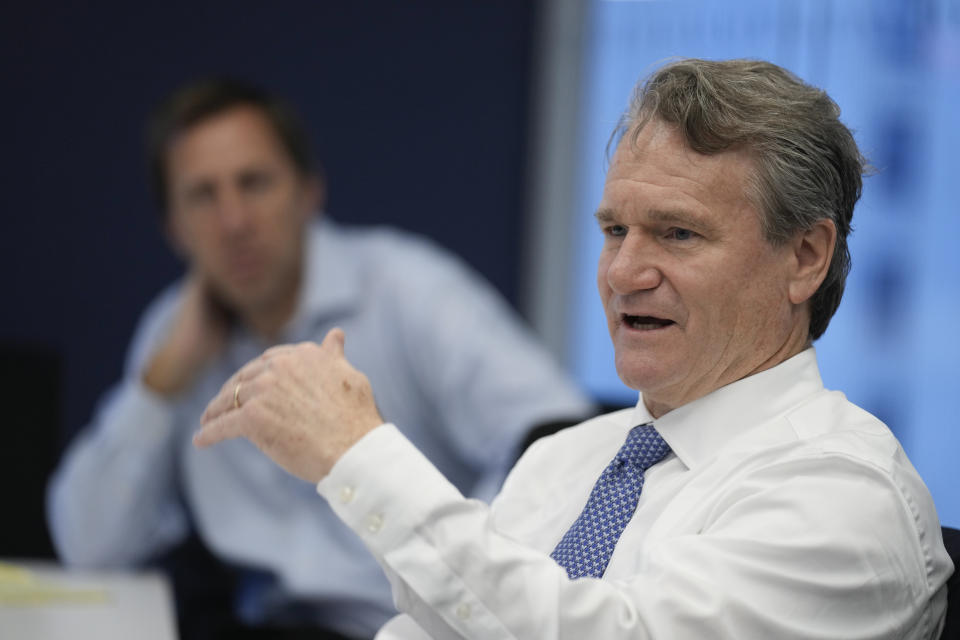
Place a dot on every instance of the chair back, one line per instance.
(951, 629)
(30, 383)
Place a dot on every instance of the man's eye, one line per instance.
(254, 182)
(615, 230)
(677, 233)
(198, 196)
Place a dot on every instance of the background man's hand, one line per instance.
(302, 405)
(197, 335)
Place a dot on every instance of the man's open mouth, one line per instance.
(645, 323)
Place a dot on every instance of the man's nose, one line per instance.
(634, 267)
(234, 212)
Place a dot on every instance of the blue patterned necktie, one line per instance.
(586, 547)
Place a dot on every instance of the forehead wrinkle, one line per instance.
(701, 203)
(704, 183)
(696, 207)
(701, 186)
(666, 152)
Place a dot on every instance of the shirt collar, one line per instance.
(331, 282)
(697, 430)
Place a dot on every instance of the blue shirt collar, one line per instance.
(332, 278)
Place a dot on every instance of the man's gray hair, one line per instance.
(808, 167)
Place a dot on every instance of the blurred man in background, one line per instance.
(240, 191)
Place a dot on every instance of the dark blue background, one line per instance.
(418, 112)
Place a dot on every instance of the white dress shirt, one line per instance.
(448, 359)
(784, 511)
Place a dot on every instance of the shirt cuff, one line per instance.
(383, 488)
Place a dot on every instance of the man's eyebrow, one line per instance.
(674, 216)
(197, 186)
(604, 215)
(678, 216)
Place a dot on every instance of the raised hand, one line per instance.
(197, 335)
(303, 405)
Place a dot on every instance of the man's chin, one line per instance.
(648, 374)
(239, 299)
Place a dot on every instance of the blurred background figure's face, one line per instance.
(238, 207)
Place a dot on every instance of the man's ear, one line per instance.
(812, 252)
(314, 194)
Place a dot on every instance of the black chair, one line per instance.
(549, 428)
(31, 380)
(951, 629)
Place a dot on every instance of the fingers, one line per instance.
(220, 418)
(219, 404)
(224, 427)
(230, 395)
(229, 398)
(334, 340)
(221, 421)
(273, 352)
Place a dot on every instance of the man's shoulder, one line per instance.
(831, 424)
(832, 438)
(382, 243)
(399, 265)
(855, 459)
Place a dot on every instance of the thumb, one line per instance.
(334, 341)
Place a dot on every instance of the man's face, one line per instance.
(694, 294)
(238, 208)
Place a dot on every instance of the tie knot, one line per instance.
(644, 447)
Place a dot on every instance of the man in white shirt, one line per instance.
(739, 498)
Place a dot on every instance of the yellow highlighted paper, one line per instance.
(19, 587)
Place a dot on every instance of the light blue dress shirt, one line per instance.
(447, 359)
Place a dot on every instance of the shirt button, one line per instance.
(346, 494)
(374, 522)
(463, 611)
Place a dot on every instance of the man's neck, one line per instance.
(268, 320)
(797, 341)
